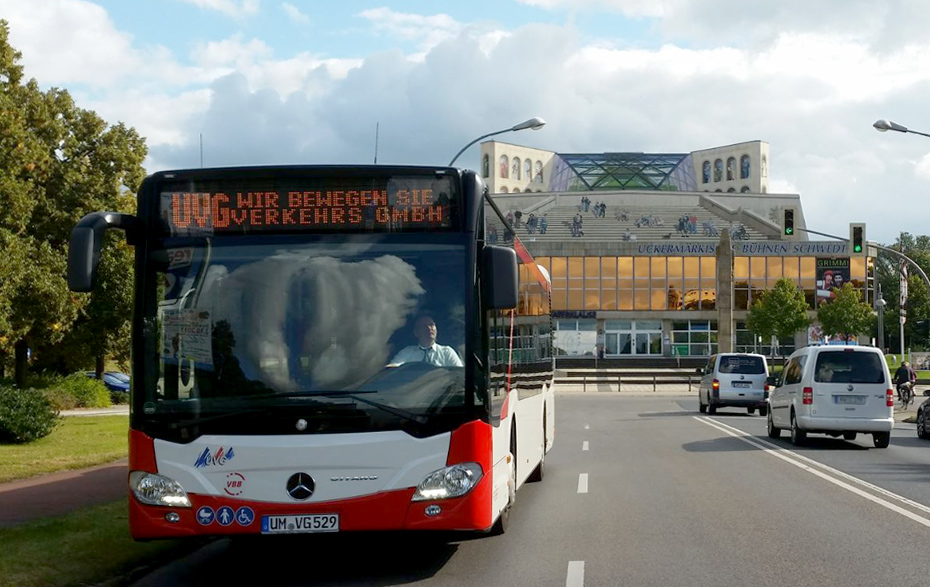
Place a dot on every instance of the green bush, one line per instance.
(80, 391)
(119, 397)
(25, 415)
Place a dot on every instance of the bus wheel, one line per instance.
(537, 475)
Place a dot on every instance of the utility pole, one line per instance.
(377, 124)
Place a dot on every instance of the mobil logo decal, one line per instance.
(234, 483)
(209, 458)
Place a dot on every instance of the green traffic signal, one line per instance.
(789, 222)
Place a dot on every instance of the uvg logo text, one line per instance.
(218, 459)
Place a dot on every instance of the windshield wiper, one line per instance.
(223, 416)
(389, 409)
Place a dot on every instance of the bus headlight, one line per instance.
(452, 481)
(153, 489)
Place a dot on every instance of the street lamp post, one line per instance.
(534, 123)
(880, 310)
(886, 125)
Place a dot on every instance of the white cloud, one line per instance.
(295, 14)
(425, 31)
(238, 10)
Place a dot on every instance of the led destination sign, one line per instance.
(408, 203)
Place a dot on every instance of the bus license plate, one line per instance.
(300, 524)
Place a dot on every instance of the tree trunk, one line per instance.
(2, 364)
(21, 348)
(100, 366)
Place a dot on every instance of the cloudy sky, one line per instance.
(266, 81)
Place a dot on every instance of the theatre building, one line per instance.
(636, 248)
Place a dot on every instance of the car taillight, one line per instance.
(716, 385)
(766, 387)
(807, 396)
(889, 398)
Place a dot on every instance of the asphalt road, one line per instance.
(646, 491)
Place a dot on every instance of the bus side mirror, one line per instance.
(500, 278)
(86, 240)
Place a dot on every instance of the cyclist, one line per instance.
(905, 378)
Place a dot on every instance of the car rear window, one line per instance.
(848, 367)
(742, 365)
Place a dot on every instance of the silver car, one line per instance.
(734, 379)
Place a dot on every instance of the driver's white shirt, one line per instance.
(437, 354)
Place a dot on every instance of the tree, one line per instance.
(846, 316)
(887, 271)
(780, 311)
(57, 162)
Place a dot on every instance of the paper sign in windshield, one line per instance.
(187, 336)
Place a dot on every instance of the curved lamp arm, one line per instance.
(534, 123)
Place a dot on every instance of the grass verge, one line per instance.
(87, 546)
(78, 442)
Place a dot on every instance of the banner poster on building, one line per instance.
(831, 275)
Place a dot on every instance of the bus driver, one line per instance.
(426, 351)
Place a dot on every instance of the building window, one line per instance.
(765, 169)
(731, 190)
(575, 338)
(503, 189)
(516, 168)
(731, 168)
(718, 170)
(539, 172)
(504, 167)
(744, 167)
(705, 172)
(694, 338)
(486, 166)
(628, 337)
(527, 170)
(744, 189)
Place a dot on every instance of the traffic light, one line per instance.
(789, 222)
(857, 238)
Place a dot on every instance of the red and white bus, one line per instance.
(327, 349)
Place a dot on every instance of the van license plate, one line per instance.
(741, 384)
(300, 524)
(849, 400)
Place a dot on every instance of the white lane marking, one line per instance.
(837, 472)
(795, 459)
(575, 576)
(583, 483)
(586, 427)
(584, 445)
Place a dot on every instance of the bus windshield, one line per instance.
(265, 321)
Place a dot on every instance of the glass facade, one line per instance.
(576, 172)
(632, 283)
(588, 285)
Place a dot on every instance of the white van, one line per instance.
(734, 379)
(835, 390)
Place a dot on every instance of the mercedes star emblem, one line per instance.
(301, 424)
(300, 486)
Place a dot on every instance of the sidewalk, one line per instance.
(56, 494)
(120, 410)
